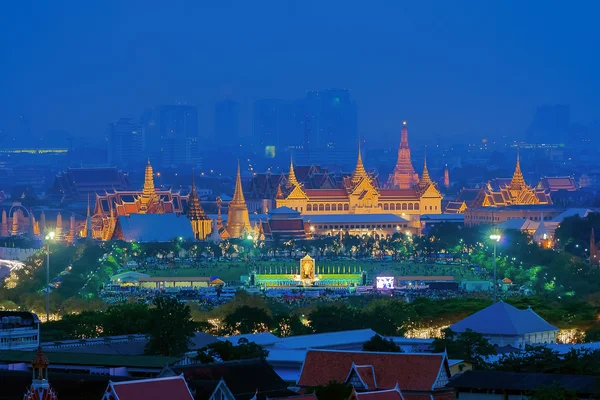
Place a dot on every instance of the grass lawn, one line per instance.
(231, 271)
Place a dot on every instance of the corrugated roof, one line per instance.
(317, 340)
(503, 319)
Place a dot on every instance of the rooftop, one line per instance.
(503, 319)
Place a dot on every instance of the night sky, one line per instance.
(449, 67)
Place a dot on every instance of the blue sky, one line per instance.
(449, 67)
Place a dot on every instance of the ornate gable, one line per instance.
(431, 191)
(296, 194)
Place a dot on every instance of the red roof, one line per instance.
(409, 371)
(172, 388)
(392, 394)
(312, 193)
(367, 375)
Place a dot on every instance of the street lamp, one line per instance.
(49, 237)
(495, 238)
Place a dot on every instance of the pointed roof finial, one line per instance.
(292, 180)
(517, 182)
(425, 178)
(88, 208)
(359, 171)
(238, 194)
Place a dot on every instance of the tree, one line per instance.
(127, 319)
(171, 327)
(469, 346)
(332, 391)
(553, 392)
(247, 319)
(227, 351)
(335, 318)
(533, 359)
(380, 344)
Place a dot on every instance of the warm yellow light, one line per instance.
(50, 235)
(495, 237)
(403, 122)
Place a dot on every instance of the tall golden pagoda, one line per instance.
(201, 224)
(149, 201)
(359, 172)
(292, 181)
(238, 220)
(404, 175)
(517, 183)
(425, 178)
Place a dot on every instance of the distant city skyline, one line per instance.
(76, 67)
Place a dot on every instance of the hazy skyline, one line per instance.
(447, 67)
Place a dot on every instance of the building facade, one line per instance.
(500, 192)
(360, 193)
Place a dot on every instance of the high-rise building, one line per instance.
(227, 120)
(551, 124)
(332, 116)
(126, 142)
(177, 124)
(149, 120)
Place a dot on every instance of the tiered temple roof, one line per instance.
(500, 192)
(77, 183)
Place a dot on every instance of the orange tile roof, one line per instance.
(173, 388)
(410, 371)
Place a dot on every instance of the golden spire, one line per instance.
(88, 209)
(292, 180)
(149, 180)
(359, 171)
(238, 220)
(446, 177)
(425, 178)
(238, 194)
(517, 182)
(195, 211)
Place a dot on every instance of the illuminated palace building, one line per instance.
(111, 212)
(354, 196)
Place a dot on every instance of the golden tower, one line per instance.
(238, 220)
(446, 177)
(359, 172)
(201, 224)
(517, 183)
(425, 178)
(292, 180)
(149, 197)
(403, 176)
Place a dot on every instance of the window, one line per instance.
(346, 207)
(392, 207)
(410, 206)
(398, 206)
(321, 207)
(404, 207)
(327, 207)
(333, 207)
(308, 207)
(416, 206)
(339, 207)
(386, 206)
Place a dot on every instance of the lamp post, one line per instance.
(495, 238)
(49, 237)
